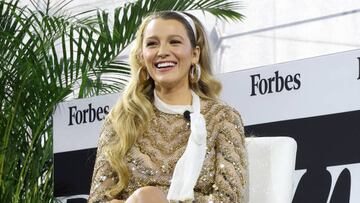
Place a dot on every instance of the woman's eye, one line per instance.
(148, 44)
(175, 42)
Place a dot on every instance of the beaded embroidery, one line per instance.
(151, 160)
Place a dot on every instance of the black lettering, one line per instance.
(263, 86)
(87, 115)
(274, 84)
(254, 84)
(288, 79)
(85, 111)
(297, 81)
(271, 80)
(92, 114)
(279, 82)
(106, 110)
(72, 115)
(99, 111)
(78, 117)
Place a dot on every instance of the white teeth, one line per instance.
(165, 64)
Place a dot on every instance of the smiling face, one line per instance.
(167, 53)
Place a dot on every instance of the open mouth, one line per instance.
(165, 64)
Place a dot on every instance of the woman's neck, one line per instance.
(175, 96)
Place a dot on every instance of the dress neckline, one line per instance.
(170, 108)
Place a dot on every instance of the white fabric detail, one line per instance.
(188, 167)
(170, 109)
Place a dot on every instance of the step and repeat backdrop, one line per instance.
(316, 101)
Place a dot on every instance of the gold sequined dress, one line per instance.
(152, 159)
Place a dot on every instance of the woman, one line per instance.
(169, 138)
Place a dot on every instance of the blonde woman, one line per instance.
(169, 138)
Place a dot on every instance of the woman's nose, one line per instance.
(163, 51)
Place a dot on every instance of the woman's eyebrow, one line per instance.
(170, 36)
(176, 36)
(151, 37)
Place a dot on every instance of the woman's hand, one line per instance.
(148, 194)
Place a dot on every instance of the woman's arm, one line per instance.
(103, 175)
(231, 173)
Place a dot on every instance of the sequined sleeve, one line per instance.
(231, 175)
(103, 175)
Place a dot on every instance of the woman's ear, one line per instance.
(141, 58)
(196, 55)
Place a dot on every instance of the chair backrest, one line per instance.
(271, 169)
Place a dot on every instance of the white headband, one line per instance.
(189, 20)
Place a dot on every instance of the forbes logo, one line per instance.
(89, 114)
(274, 84)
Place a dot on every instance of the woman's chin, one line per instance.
(167, 83)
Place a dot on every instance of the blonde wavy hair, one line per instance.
(131, 115)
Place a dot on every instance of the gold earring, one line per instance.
(197, 71)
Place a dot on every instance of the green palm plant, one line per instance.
(47, 56)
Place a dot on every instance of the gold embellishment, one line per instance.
(153, 157)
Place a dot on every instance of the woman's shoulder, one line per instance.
(107, 131)
(217, 106)
(220, 110)
(107, 124)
